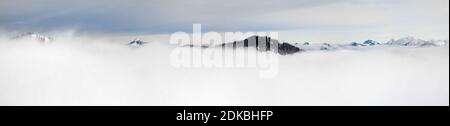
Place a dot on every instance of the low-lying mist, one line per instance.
(98, 71)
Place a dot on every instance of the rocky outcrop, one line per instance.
(370, 42)
(136, 43)
(327, 46)
(356, 44)
(285, 48)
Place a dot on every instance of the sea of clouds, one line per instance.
(91, 70)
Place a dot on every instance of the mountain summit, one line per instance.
(264, 43)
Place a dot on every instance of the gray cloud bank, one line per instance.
(353, 18)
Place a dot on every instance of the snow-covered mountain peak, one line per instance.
(34, 36)
(411, 41)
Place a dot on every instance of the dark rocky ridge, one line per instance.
(136, 43)
(264, 43)
(285, 48)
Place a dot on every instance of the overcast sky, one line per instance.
(302, 20)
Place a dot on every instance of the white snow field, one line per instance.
(94, 71)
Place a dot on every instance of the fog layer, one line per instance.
(92, 71)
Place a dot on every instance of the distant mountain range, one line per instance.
(265, 43)
(411, 41)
